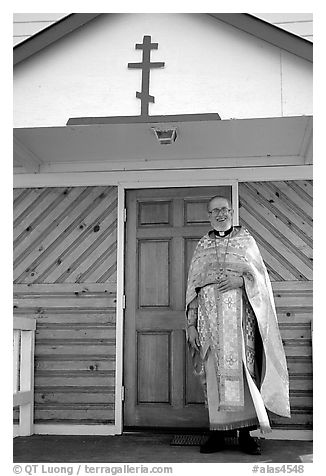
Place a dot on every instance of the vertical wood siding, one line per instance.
(65, 275)
(279, 215)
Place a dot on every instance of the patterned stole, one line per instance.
(219, 323)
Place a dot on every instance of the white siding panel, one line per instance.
(30, 28)
(37, 17)
(299, 28)
(19, 39)
(300, 24)
(284, 17)
(28, 24)
(308, 37)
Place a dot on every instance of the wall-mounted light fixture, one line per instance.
(165, 136)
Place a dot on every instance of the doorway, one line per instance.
(162, 230)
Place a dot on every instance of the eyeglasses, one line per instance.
(217, 211)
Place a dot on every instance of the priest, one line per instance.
(233, 333)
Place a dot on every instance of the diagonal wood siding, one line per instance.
(279, 215)
(65, 235)
(65, 247)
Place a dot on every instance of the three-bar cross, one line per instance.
(146, 66)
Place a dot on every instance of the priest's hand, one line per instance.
(227, 283)
(193, 337)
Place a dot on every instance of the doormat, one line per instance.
(197, 440)
(188, 440)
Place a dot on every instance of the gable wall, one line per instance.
(209, 67)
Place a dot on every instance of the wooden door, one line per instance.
(163, 228)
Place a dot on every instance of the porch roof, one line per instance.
(126, 144)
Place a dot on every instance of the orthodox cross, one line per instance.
(146, 66)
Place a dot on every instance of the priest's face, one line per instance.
(220, 213)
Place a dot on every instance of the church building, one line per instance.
(124, 126)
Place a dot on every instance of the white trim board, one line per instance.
(120, 310)
(63, 429)
(111, 430)
(168, 163)
(157, 178)
(303, 435)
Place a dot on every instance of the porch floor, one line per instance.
(146, 448)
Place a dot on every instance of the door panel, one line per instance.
(163, 228)
(153, 350)
(153, 279)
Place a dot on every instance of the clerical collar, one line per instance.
(223, 233)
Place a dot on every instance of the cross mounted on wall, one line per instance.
(146, 65)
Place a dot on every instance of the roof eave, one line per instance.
(243, 21)
(51, 34)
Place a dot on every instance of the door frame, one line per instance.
(120, 309)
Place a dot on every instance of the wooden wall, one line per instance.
(65, 275)
(279, 215)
